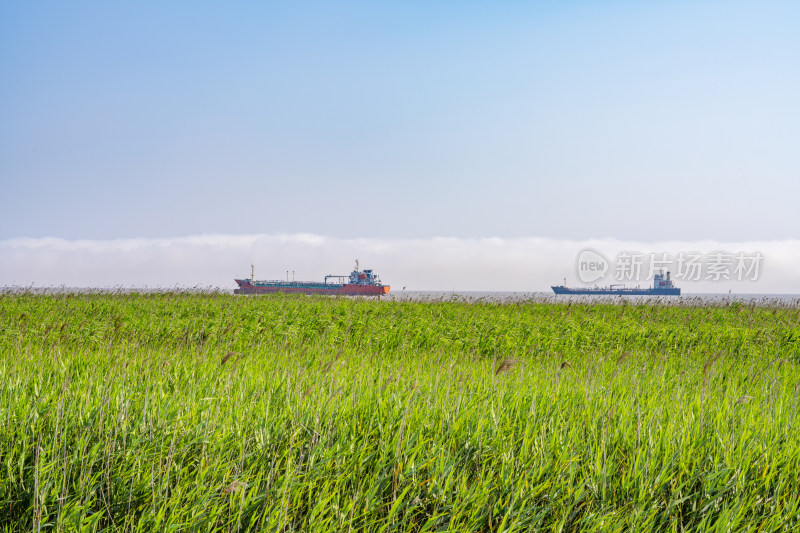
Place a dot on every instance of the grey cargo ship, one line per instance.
(662, 286)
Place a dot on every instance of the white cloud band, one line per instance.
(441, 263)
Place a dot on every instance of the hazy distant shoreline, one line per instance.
(694, 299)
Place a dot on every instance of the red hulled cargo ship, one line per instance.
(358, 283)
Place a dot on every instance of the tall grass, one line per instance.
(210, 412)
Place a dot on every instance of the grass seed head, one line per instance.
(236, 486)
(330, 365)
(707, 367)
(227, 356)
(506, 364)
(743, 400)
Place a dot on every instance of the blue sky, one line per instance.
(565, 120)
(636, 121)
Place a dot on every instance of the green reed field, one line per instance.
(212, 412)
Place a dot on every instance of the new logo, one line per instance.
(591, 265)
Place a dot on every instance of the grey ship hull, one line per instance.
(560, 289)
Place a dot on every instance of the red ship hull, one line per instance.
(345, 290)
